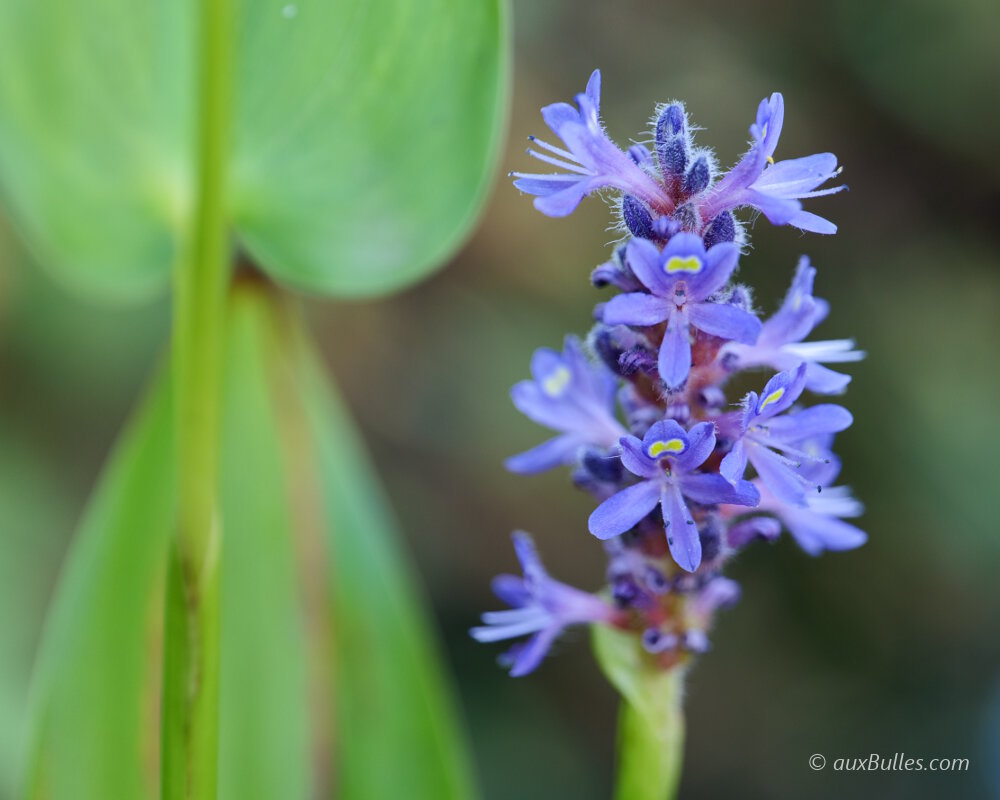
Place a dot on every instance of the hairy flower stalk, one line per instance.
(683, 475)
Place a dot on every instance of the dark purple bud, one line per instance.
(673, 157)
(615, 273)
(655, 641)
(721, 229)
(640, 155)
(671, 141)
(671, 122)
(603, 465)
(605, 343)
(698, 177)
(637, 218)
(624, 590)
(604, 275)
(637, 359)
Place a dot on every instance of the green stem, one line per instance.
(651, 720)
(651, 748)
(189, 744)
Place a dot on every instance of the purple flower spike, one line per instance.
(666, 459)
(571, 394)
(591, 160)
(772, 440)
(666, 453)
(780, 344)
(776, 189)
(680, 279)
(541, 606)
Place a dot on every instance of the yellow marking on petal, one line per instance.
(691, 264)
(657, 449)
(557, 381)
(797, 301)
(774, 397)
(770, 160)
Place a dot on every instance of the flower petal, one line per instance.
(636, 308)
(643, 258)
(817, 532)
(794, 177)
(701, 443)
(720, 262)
(635, 460)
(813, 421)
(622, 511)
(552, 453)
(526, 656)
(511, 589)
(682, 532)
(674, 362)
(562, 203)
(778, 210)
(780, 392)
(797, 315)
(734, 463)
(824, 380)
(726, 321)
(712, 488)
(813, 223)
(778, 474)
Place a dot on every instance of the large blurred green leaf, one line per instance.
(329, 674)
(394, 711)
(364, 135)
(95, 685)
(96, 103)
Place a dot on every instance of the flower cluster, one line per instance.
(682, 476)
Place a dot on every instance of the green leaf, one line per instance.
(96, 107)
(328, 668)
(96, 685)
(651, 719)
(364, 154)
(364, 135)
(264, 739)
(400, 736)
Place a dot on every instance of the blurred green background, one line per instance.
(890, 649)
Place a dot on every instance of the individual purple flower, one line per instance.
(819, 525)
(591, 160)
(780, 344)
(776, 189)
(568, 393)
(541, 607)
(666, 459)
(681, 280)
(772, 440)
